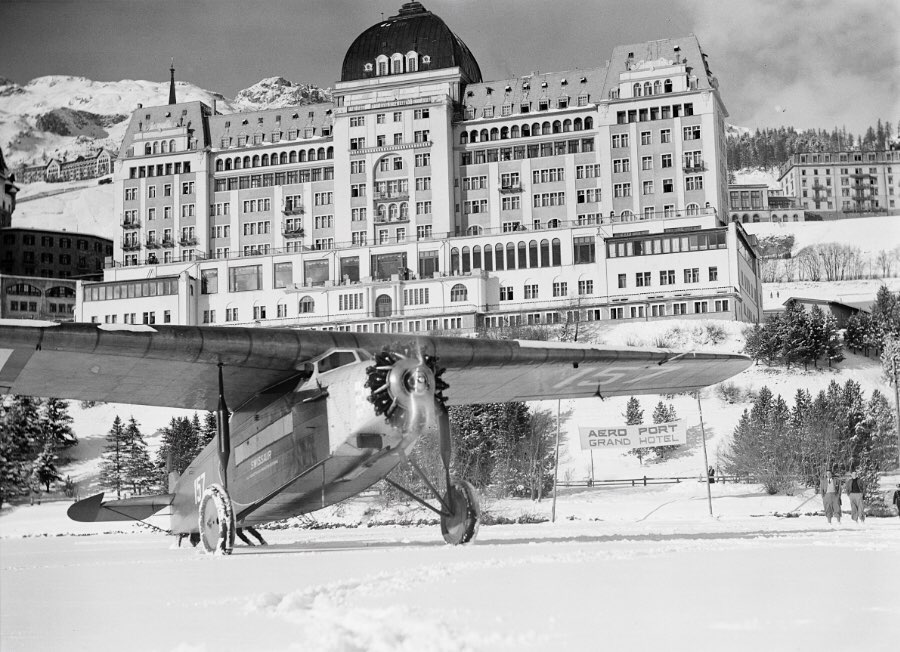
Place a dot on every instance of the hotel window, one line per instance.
(506, 293)
(560, 289)
(621, 165)
(665, 135)
(622, 190)
(647, 187)
(646, 138)
(531, 291)
(358, 121)
(693, 183)
(646, 162)
(692, 275)
(679, 308)
(691, 132)
(701, 306)
(642, 279)
(586, 287)
(620, 140)
(617, 313)
(713, 273)
(423, 160)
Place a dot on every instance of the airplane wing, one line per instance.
(177, 366)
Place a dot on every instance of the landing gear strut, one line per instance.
(408, 390)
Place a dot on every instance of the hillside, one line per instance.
(64, 116)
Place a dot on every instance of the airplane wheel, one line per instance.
(216, 521)
(462, 526)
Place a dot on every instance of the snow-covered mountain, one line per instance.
(64, 116)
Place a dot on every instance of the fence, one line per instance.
(645, 481)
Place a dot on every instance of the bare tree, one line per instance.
(808, 264)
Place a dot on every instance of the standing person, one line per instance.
(830, 488)
(855, 488)
(896, 499)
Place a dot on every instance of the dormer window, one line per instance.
(396, 64)
(412, 61)
(381, 66)
(426, 59)
(367, 68)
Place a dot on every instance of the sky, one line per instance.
(804, 63)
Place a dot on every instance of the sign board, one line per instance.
(605, 437)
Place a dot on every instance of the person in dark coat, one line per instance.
(856, 489)
(896, 499)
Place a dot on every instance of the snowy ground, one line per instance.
(642, 569)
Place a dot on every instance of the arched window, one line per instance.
(172, 145)
(393, 212)
(381, 65)
(636, 89)
(755, 217)
(329, 153)
(553, 224)
(498, 257)
(523, 256)
(227, 164)
(545, 253)
(459, 292)
(576, 124)
(627, 216)
(693, 210)
(292, 157)
(657, 87)
(495, 134)
(454, 260)
(383, 306)
(526, 131)
(307, 305)
(148, 148)
(510, 255)
(775, 218)
(567, 125)
(557, 127)
(557, 254)
(546, 128)
(237, 163)
(796, 217)
(412, 61)
(311, 155)
(464, 138)
(667, 86)
(302, 156)
(735, 218)
(60, 291)
(514, 131)
(256, 160)
(745, 218)
(535, 129)
(504, 133)
(488, 258)
(589, 123)
(473, 136)
(320, 154)
(648, 88)
(476, 257)
(533, 254)
(381, 211)
(466, 260)
(156, 147)
(396, 64)
(283, 159)
(483, 135)
(23, 290)
(219, 165)
(404, 211)
(165, 146)
(474, 230)
(246, 161)
(265, 160)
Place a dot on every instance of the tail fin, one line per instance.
(93, 509)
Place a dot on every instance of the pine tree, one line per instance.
(56, 424)
(44, 470)
(663, 413)
(20, 443)
(178, 449)
(634, 416)
(209, 430)
(139, 470)
(113, 465)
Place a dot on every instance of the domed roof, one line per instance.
(413, 29)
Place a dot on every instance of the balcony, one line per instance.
(185, 242)
(131, 246)
(168, 243)
(392, 195)
(152, 244)
(293, 210)
(130, 223)
(696, 166)
(384, 219)
(292, 231)
(511, 189)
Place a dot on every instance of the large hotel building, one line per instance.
(425, 198)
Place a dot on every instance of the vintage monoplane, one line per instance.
(321, 415)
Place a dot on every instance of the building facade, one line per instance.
(425, 198)
(8, 191)
(53, 254)
(844, 184)
(27, 297)
(756, 202)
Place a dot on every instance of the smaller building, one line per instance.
(756, 202)
(838, 309)
(83, 167)
(29, 297)
(53, 254)
(843, 184)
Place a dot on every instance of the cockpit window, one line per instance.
(335, 360)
